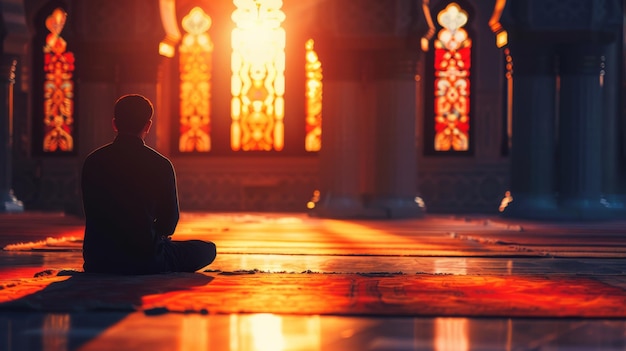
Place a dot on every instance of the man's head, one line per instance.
(132, 114)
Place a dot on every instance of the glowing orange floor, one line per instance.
(290, 282)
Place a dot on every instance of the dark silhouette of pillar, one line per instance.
(533, 146)
(393, 188)
(339, 159)
(613, 194)
(565, 156)
(8, 202)
(581, 114)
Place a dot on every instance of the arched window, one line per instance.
(452, 63)
(258, 81)
(195, 65)
(313, 91)
(58, 88)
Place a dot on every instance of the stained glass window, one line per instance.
(258, 81)
(58, 87)
(313, 69)
(452, 81)
(195, 83)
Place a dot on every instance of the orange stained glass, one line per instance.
(58, 88)
(258, 80)
(452, 81)
(313, 68)
(195, 83)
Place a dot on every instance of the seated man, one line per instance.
(131, 203)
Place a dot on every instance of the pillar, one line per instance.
(339, 156)
(565, 167)
(394, 166)
(581, 116)
(8, 202)
(612, 193)
(533, 144)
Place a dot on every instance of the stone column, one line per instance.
(612, 80)
(368, 156)
(339, 156)
(394, 171)
(8, 202)
(580, 131)
(533, 147)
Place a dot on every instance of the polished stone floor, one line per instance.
(450, 245)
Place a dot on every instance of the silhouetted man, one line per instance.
(131, 203)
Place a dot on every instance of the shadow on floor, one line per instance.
(43, 318)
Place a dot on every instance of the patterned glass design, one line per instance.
(258, 80)
(195, 83)
(313, 68)
(452, 81)
(58, 88)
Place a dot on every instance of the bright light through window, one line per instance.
(313, 69)
(258, 81)
(195, 82)
(452, 81)
(58, 89)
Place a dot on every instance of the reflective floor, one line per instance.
(261, 332)
(296, 243)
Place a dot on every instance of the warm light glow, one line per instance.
(195, 67)
(420, 202)
(451, 334)
(258, 81)
(495, 25)
(172, 34)
(313, 69)
(269, 332)
(502, 39)
(194, 333)
(431, 26)
(56, 328)
(258, 332)
(456, 266)
(424, 44)
(314, 200)
(509, 96)
(166, 50)
(452, 84)
(505, 201)
(58, 87)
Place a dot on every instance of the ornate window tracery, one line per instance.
(452, 81)
(258, 81)
(313, 69)
(58, 87)
(195, 52)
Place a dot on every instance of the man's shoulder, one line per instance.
(99, 151)
(157, 156)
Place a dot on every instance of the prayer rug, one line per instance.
(375, 294)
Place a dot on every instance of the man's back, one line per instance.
(130, 203)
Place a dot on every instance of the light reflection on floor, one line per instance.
(265, 332)
(451, 334)
(56, 328)
(269, 332)
(296, 243)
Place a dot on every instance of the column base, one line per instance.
(346, 206)
(524, 206)
(10, 203)
(545, 207)
(614, 201)
(396, 207)
(588, 209)
(337, 206)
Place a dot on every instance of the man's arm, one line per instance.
(167, 209)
